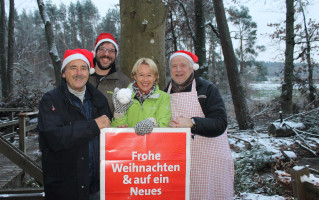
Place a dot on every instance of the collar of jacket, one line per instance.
(95, 95)
(198, 81)
(155, 95)
(112, 71)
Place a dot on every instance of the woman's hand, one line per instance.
(119, 108)
(145, 126)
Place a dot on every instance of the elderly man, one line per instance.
(70, 119)
(106, 78)
(197, 104)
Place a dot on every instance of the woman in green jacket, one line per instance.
(149, 106)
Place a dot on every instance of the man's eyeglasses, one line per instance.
(104, 50)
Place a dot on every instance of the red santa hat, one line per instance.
(105, 37)
(81, 54)
(189, 55)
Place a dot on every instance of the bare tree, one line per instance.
(143, 34)
(10, 48)
(172, 29)
(307, 53)
(238, 95)
(3, 61)
(287, 86)
(196, 31)
(51, 43)
(200, 39)
(246, 33)
(301, 40)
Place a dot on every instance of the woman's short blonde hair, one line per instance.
(145, 61)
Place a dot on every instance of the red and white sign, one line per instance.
(153, 166)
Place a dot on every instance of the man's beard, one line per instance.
(101, 66)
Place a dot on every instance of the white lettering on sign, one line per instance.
(145, 156)
(132, 167)
(161, 179)
(135, 191)
(142, 180)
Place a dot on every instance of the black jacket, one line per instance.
(64, 141)
(215, 122)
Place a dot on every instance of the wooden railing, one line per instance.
(22, 194)
(11, 124)
(23, 129)
(18, 155)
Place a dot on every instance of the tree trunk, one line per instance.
(3, 61)
(287, 86)
(200, 39)
(241, 109)
(143, 24)
(284, 129)
(55, 58)
(80, 21)
(174, 38)
(10, 48)
(312, 89)
(241, 56)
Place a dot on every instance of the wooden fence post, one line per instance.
(22, 133)
(297, 185)
(23, 129)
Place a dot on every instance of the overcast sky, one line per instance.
(262, 12)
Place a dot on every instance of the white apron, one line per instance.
(212, 166)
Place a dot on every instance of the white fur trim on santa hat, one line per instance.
(74, 57)
(195, 65)
(92, 70)
(106, 40)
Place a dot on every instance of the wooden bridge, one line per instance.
(18, 159)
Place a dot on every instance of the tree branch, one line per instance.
(213, 28)
(192, 34)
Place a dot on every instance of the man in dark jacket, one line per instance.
(106, 77)
(70, 119)
(197, 104)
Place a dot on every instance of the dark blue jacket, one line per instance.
(65, 133)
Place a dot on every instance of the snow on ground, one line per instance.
(267, 85)
(290, 154)
(271, 144)
(243, 141)
(249, 196)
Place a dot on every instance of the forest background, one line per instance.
(32, 44)
(27, 71)
(28, 37)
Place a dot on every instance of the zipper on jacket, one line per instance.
(74, 106)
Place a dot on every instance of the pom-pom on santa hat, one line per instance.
(81, 54)
(189, 55)
(105, 37)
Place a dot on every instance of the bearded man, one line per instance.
(106, 77)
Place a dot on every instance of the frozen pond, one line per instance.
(268, 90)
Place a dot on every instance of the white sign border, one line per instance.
(155, 130)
